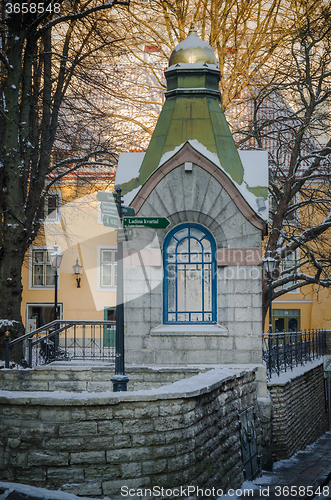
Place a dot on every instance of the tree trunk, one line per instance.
(11, 287)
(265, 302)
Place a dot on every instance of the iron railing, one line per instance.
(285, 350)
(64, 340)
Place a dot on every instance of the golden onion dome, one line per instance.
(192, 50)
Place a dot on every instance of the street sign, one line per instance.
(109, 205)
(109, 208)
(153, 222)
(106, 196)
(111, 221)
(124, 234)
(128, 212)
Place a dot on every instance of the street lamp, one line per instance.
(119, 380)
(77, 272)
(56, 259)
(269, 266)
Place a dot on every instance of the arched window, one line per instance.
(189, 286)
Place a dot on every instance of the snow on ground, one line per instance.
(285, 377)
(40, 493)
(269, 477)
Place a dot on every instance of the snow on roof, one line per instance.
(128, 167)
(192, 66)
(192, 41)
(255, 164)
(128, 197)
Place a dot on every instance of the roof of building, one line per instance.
(192, 50)
(254, 184)
(192, 114)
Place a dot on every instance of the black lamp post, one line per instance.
(269, 266)
(119, 380)
(77, 271)
(56, 259)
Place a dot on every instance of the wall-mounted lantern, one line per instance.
(77, 271)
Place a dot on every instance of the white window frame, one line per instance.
(100, 287)
(39, 287)
(283, 267)
(57, 220)
(40, 304)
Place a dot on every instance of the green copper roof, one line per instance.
(197, 117)
(192, 111)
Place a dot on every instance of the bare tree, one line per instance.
(43, 50)
(243, 33)
(290, 117)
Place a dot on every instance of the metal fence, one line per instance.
(285, 350)
(64, 340)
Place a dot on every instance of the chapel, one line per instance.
(192, 290)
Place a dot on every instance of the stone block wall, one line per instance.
(182, 434)
(300, 415)
(239, 277)
(93, 378)
(328, 342)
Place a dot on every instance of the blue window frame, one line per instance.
(189, 285)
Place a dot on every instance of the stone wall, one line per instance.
(300, 415)
(237, 337)
(91, 378)
(328, 341)
(186, 433)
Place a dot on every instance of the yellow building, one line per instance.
(305, 309)
(76, 227)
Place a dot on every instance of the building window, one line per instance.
(286, 320)
(107, 268)
(288, 266)
(40, 314)
(52, 207)
(42, 273)
(189, 275)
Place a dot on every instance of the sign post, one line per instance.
(111, 221)
(108, 208)
(106, 196)
(119, 380)
(124, 235)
